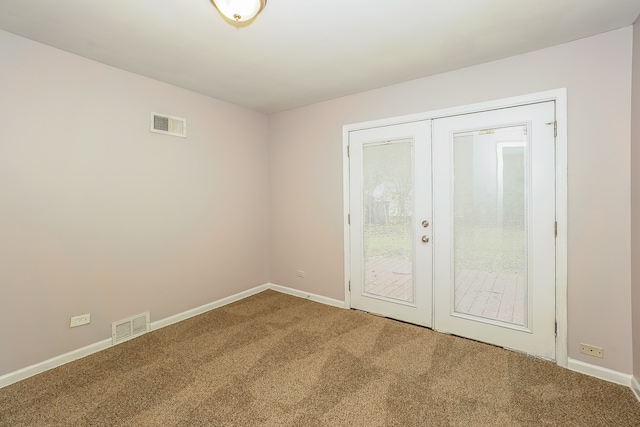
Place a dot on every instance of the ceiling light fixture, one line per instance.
(239, 10)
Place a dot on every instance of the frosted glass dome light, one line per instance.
(239, 10)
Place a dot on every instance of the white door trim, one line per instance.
(557, 95)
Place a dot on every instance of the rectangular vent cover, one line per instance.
(169, 125)
(131, 327)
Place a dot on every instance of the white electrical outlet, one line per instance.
(80, 320)
(591, 350)
(300, 273)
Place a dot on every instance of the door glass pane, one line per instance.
(387, 209)
(490, 217)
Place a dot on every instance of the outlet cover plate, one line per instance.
(83, 319)
(591, 350)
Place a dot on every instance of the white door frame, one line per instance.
(560, 98)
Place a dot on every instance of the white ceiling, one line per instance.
(298, 52)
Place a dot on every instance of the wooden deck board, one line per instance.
(479, 293)
(392, 278)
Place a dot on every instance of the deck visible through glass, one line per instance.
(491, 295)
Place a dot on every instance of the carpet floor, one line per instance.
(277, 360)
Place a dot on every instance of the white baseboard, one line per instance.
(21, 374)
(29, 371)
(207, 307)
(307, 295)
(237, 297)
(635, 387)
(600, 372)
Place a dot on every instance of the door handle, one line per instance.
(425, 223)
(425, 239)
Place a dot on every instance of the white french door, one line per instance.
(494, 227)
(452, 225)
(390, 199)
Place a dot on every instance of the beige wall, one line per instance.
(100, 216)
(306, 191)
(635, 198)
(305, 180)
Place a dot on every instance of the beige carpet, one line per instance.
(278, 360)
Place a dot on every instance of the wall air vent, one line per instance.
(131, 327)
(169, 125)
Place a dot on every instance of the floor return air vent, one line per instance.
(131, 327)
